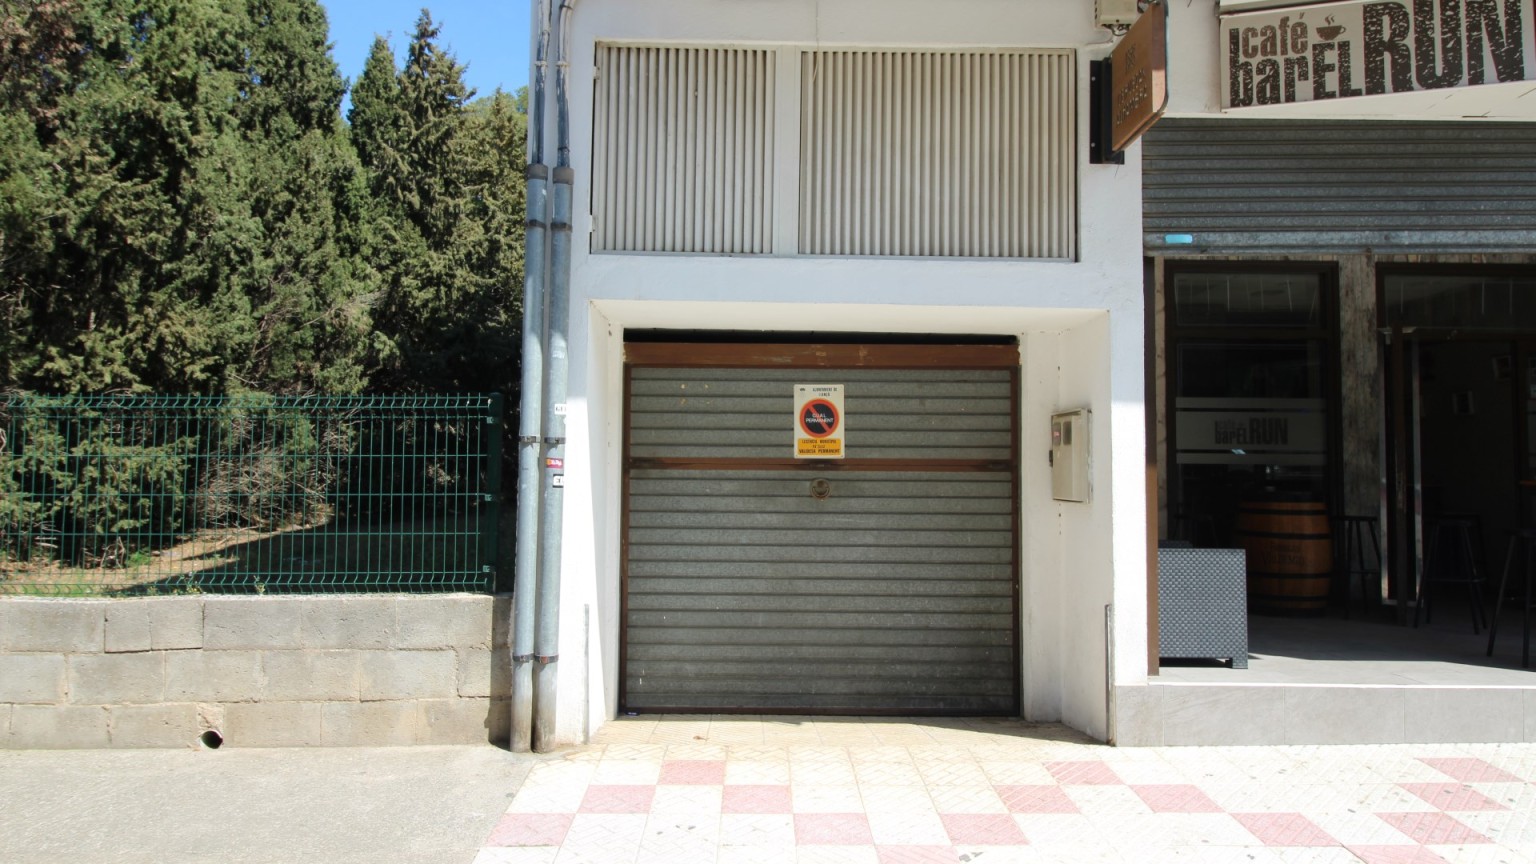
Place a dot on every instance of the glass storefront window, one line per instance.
(1247, 300)
(1249, 396)
(1264, 370)
(1465, 302)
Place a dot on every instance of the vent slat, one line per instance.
(950, 154)
(684, 150)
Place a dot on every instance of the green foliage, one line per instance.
(179, 200)
(296, 494)
(446, 175)
(88, 486)
(268, 467)
(183, 210)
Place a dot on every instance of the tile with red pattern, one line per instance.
(1453, 796)
(832, 829)
(682, 772)
(1433, 828)
(1036, 799)
(1284, 829)
(1469, 770)
(1176, 798)
(983, 829)
(1083, 774)
(531, 829)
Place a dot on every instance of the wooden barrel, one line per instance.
(1290, 555)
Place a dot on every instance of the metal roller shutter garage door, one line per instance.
(895, 593)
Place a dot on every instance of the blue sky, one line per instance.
(488, 36)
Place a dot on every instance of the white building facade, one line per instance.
(891, 203)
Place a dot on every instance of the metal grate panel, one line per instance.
(683, 150)
(723, 413)
(885, 582)
(952, 154)
(746, 592)
(1287, 186)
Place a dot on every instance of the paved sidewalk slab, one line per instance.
(411, 805)
(764, 790)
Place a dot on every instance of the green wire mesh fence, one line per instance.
(251, 494)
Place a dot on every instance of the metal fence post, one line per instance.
(490, 511)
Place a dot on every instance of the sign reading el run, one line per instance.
(818, 421)
(1327, 51)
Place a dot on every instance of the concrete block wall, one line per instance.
(259, 671)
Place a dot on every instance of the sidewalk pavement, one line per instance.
(730, 790)
(734, 790)
(379, 805)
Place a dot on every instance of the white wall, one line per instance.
(1079, 324)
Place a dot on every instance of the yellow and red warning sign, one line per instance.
(819, 421)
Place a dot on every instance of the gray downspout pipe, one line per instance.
(530, 410)
(556, 371)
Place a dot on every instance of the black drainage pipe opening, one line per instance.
(211, 739)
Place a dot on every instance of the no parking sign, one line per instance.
(818, 421)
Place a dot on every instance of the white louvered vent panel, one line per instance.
(950, 154)
(683, 150)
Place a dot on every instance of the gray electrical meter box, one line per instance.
(1069, 455)
(1116, 12)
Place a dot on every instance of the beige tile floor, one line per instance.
(729, 789)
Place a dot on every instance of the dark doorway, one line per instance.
(1251, 395)
(1458, 433)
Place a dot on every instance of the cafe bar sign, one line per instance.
(1321, 51)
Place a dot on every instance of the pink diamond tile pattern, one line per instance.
(1453, 796)
(530, 829)
(1083, 773)
(692, 773)
(1471, 770)
(1284, 829)
(832, 829)
(983, 829)
(1036, 799)
(1176, 799)
(756, 799)
(893, 791)
(1433, 829)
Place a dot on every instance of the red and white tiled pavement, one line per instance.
(745, 790)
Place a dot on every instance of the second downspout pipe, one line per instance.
(556, 370)
(530, 409)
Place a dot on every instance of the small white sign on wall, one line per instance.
(819, 421)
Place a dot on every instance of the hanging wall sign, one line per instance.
(1324, 51)
(1139, 77)
(819, 421)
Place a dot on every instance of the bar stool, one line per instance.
(1462, 570)
(1354, 531)
(1522, 543)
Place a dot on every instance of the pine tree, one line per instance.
(179, 199)
(447, 181)
(309, 282)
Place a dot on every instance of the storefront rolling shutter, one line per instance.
(1219, 186)
(894, 593)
